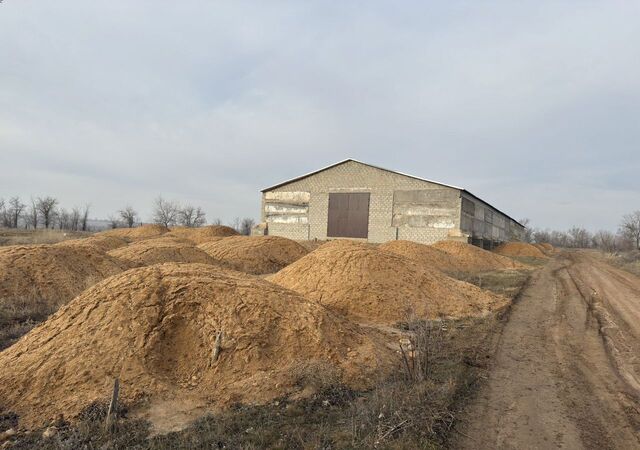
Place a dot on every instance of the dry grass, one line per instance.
(629, 261)
(40, 236)
(19, 315)
(507, 283)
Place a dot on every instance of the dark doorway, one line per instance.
(348, 215)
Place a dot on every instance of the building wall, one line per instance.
(486, 225)
(400, 207)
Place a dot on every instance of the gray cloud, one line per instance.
(532, 105)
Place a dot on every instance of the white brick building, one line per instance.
(351, 199)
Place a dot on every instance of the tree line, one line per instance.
(46, 212)
(627, 236)
(42, 212)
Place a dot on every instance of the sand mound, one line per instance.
(381, 287)
(519, 249)
(422, 254)
(255, 254)
(155, 327)
(470, 258)
(98, 242)
(161, 250)
(546, 248)
(203, 234)
(54, 273)
(137, 233)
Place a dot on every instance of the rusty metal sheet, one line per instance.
(348, 215)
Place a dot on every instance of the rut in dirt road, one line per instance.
(564, 374)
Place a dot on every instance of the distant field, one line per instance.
(11, 236)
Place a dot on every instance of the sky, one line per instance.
(531, 105)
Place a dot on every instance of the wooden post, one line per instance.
(113, 405)
(216, 348)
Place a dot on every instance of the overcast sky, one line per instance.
(532, 105)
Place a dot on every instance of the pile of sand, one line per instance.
(161, 250)
(520, 249)
(203, 234)
(424, 255)
(155, 329)
(99, 242)
(377, 286)
(469, 258)
(137, 233)
(546, 248)
(255, 254)
(55, 273)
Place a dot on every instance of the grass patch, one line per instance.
(628, 261)
(19, 315)
(507, 283)
(13, 236)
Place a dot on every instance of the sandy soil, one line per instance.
(565, 374)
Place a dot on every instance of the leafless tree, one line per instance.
(527, 235)
(47, 209)
(64, 219)
(216, 221)
(16, 210)
(74, 219)
(235, 224)
(129, 215)
(246, 225)
(165, 212)
(84, 219)
(32, 214)
(5, 217)
(190, 216)
(605, 240)
(580, 237)
(113, 222)
(630, 228)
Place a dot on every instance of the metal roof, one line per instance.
(301, 177)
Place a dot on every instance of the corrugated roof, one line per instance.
(301, 177)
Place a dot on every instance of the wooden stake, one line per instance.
(216, 348)
(113, 405)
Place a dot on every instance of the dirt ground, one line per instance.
(565, 374)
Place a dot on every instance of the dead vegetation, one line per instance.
(629, 261)
(13, 236)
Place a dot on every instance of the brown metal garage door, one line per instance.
(348, 215)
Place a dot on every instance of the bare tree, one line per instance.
(580, 237)
(129, 215)
(16, 210)
(113, 222)
(190, 216)
(32, 214)
(605, 240)
(246, 225)
(84, 219)
(165, 212)
(527, 235)
(216, 221)
(64, 219)
(630, 228)
(235, 224)
(74, 219)
(5, 217)
(47, 209)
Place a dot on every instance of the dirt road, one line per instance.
(566, 373)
